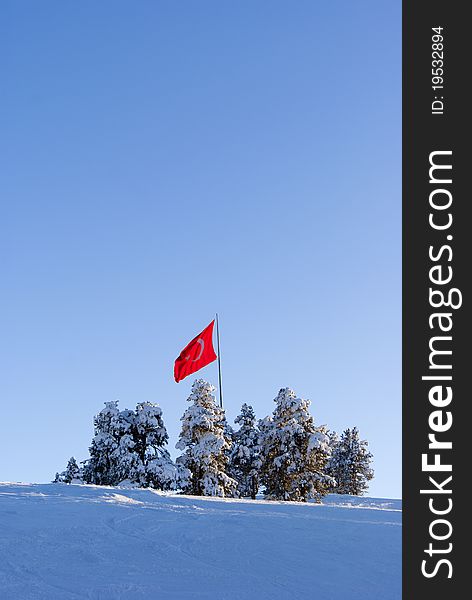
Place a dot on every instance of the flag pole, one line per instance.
(219, 361)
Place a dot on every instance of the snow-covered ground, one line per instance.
(68, 542)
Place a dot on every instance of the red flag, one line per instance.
(197, 354)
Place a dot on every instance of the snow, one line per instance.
(70, 542)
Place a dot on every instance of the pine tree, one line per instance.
(333, 441)
(350, 463)
(125, 465)
(205, 442)
(102, 469)
(150, 435)
(294, 452)
(128, 447)
(244, 458)
(72, 474)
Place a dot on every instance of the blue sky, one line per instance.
(162, 161)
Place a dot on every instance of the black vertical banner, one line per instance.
(437, 235)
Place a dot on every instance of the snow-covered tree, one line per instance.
(350, 463)
(156, 466)
(125, 463)
(150, 432)
(205, 444)
(333, 441)
(101, 469)
(128, 447)
(293, 451)
(72, 474)
(244, 461)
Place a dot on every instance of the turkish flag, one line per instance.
(197, 354)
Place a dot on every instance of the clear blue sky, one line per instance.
(161, 161)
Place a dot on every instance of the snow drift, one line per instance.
(70, 542)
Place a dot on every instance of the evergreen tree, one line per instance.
(125, 464)
(150, 435)
(128, 446)
(244, 462)
(293, 451)
(102, 469)
(350, 463)
(333, 441)
(205, 442)
(72, 474)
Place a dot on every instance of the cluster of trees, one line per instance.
(128, 447)
(285, 454)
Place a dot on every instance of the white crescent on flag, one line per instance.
(202, 348)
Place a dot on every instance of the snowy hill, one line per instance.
(70, 542)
